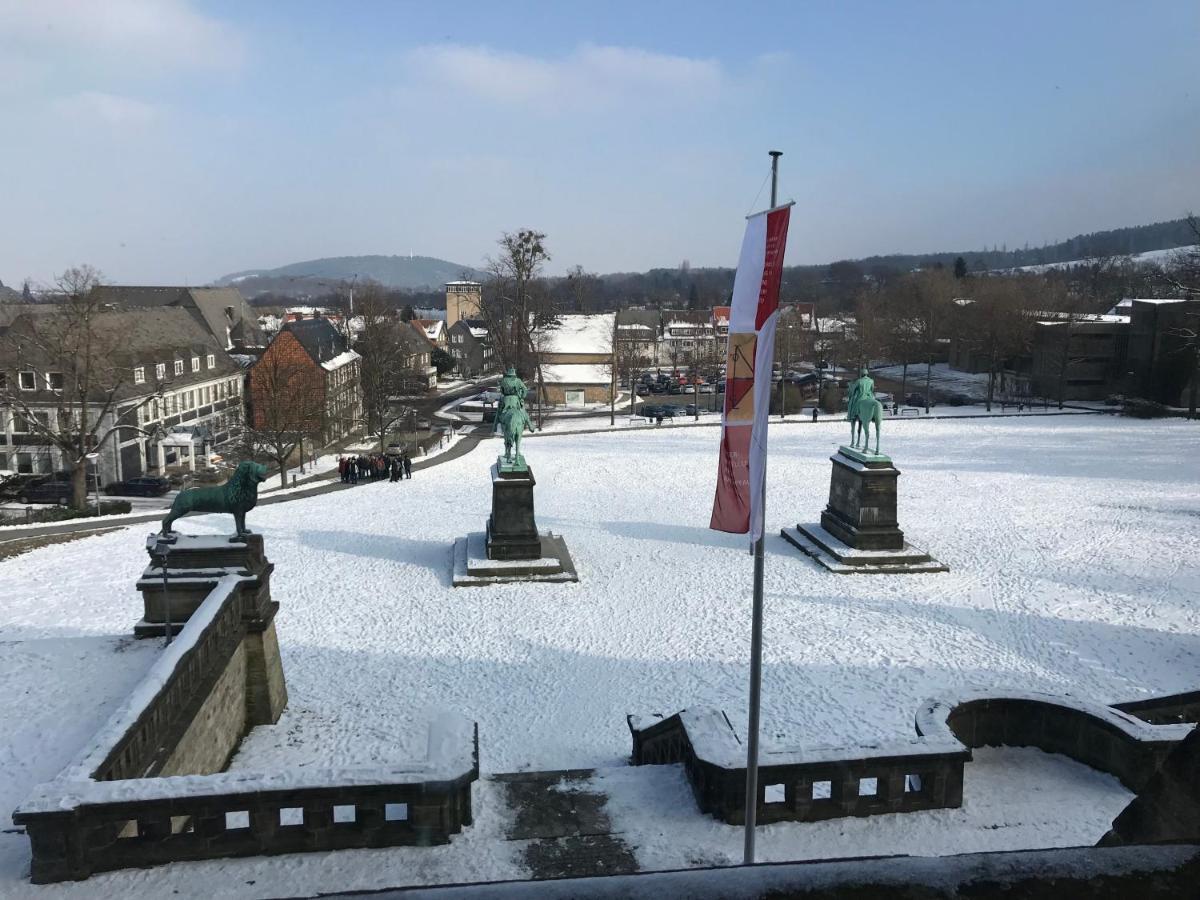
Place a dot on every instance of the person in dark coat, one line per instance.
(407, 463)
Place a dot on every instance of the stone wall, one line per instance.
(217, 726)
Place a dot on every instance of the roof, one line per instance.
(433, 328)
(477, 328)
(340, 360)
(320, 340)
(413, 338)
(720, 315)
(686, 317)
(223, 311)
(144, 337)
(576, 373)
(580, 334)
(648, 318)
(475, 283)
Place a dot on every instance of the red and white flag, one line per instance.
(738, 505)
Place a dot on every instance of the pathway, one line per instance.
(561, 821)
(327, 484)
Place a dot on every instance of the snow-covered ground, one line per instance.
(1151, 258)
(1072, 544)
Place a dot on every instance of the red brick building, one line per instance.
(307, 381)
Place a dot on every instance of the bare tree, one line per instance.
(287, 405)
(625, 360)
(387, 369)
(517, 307)
(69, 374)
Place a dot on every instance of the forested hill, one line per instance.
(316, 275)
(1117, 242)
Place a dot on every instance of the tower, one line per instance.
(464, 300)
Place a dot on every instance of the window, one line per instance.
(179, 367)
(160, 371)
(212, 360)
(27, 381)
(139, 375)
(3, 462)
(195, 364)
(54, 381)
(25, 463)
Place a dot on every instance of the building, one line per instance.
(576, 360)
(223, 311)
(434, 330)
(688, 338)
(1075, 358)
(464, 300)
(638, 332)
(418, 350)
(167, 394)
(309, 381)
(470, 344)
(1161, 359)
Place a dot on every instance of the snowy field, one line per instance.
(1073, 547)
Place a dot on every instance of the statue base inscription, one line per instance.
(859, 531)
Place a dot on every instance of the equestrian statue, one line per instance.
(862, 409)
(512, 419)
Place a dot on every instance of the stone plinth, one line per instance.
(473, 566)
(194, 564)
(511, 530)
(859, 531)
(862, 501)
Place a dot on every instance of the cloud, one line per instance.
(591, 77)
(159, 32)
(110, 109)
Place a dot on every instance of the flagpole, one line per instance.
(756, 628)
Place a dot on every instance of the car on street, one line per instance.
(144, 486)
(60, 492)
(650, 411)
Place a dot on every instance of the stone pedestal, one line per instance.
(859, 531)
(861, 512)
(194, 564)
(511, 549)
(511, 529)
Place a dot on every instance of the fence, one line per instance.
(801, 785)
(926, 772)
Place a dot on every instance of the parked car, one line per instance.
(657, 388)
(915, 400)
(670, 411)
(60, 492)
(689, 389)
(674, 389)
(705, 389)
(721, 386)
(650, 411)
(693, 409)
(145, 486)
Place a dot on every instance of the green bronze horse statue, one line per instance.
(866, 410)
(512, 420)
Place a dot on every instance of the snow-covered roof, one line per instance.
(433, 328)
(576, 373)
(340, 360)
(478, 331)
(580, 334)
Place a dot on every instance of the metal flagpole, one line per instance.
(756, 628)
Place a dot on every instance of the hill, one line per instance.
(316, 276)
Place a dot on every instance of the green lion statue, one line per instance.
(237, 496)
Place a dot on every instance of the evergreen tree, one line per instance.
(693, 297)
(960, 268)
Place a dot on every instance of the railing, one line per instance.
(801, 785)
(1096, 735)
(77, 829)
(815, 783)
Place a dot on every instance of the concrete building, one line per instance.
(1075, 358)
(1161, 360)
(464, 300)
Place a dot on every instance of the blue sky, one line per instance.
(177, 141)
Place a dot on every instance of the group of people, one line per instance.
(353, 469)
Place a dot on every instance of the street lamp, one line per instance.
(94, 459)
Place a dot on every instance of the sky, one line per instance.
(172, 141)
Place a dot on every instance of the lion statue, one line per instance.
(236, 496)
